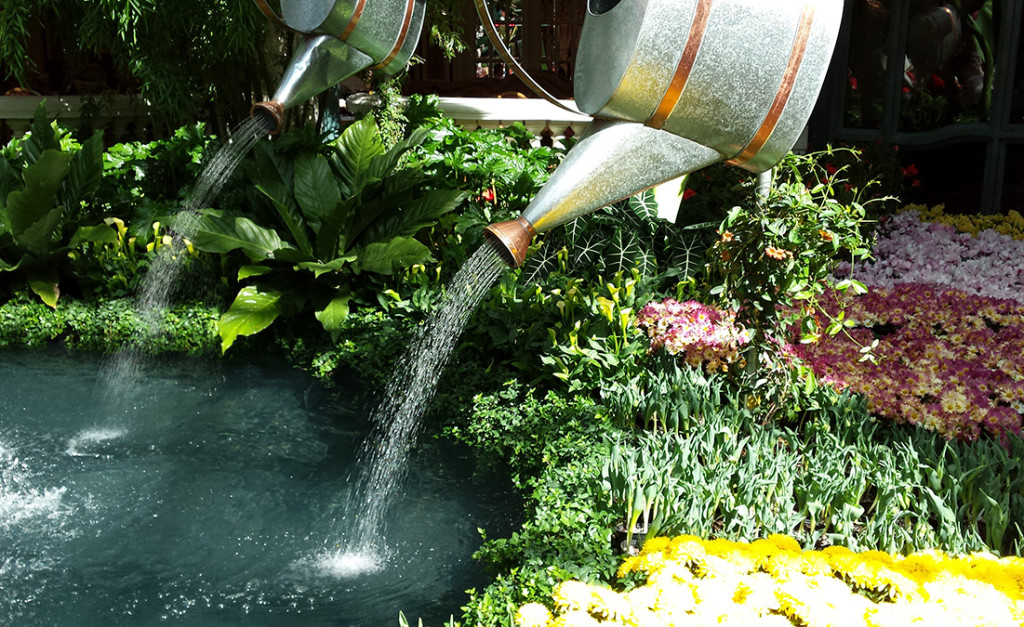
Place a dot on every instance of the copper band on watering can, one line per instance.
(357, 12)
(796, 56)
(263, 6)
(401, 37)
(682, 74)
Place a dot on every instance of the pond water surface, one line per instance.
(211, 495)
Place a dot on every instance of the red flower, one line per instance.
(910, 170)
(831, 169)
(689, 193)
(853, 83)
(488, 195)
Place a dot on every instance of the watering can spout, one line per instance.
(342, 37)
(677, 85)
(613, 160)
(321, 62)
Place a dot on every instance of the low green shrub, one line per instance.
(105, 326)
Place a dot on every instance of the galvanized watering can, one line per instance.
(342, 37)
(676, 85)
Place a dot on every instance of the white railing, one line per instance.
(116, 115)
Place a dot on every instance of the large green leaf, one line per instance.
(221, 233)
(86, 172)
(334, 314)
(413, 216)
(644, 205)
(392, 256)
(318, 268)
(316, 189)
(274, 178)
(334, 236)
(251, 312)
(99, 234)
(382, 165)
(43, 281)
(41, 137)
(356, 148)
(31, 211)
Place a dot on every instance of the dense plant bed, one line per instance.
(689, 581)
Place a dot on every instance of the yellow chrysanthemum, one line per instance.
(533, 615)
(575, 618)
(572, 595)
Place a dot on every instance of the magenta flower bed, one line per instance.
(700, 334)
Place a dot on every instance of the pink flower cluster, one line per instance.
(911, 251)
(946, 360)
(701, 334)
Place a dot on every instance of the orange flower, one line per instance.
(825, 235)
(727, 236)
(776, 253)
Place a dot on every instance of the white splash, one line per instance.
(345, 564)
(84, 444)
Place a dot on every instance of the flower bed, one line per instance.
(911, 250)
(946, 360)
(686, 580)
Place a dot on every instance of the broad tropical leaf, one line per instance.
(251, 312)
(221, 233)
(356, 148)
(334, 314)
(99, 234)
(86, 172)
(382, 165)
(644, 206)
(32, 214)
(251, 270)
(41, 137)
(316, 189)
(389, 257)
(407, 220)
(44, 283)
(274, 178)
(621, 253)
(334, 265)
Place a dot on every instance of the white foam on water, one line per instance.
(345, 564)
(81, 445)
(19, 501)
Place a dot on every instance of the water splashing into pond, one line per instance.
(153, 296)
(383, 458)
(195, 515)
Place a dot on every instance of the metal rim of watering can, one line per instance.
(274, 109)
(484, 13)
(511, 239)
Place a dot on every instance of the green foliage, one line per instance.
(626, 235)
(553, 447)
(105, 326)
(214, 63)
(319, 221)
(42, 217)
(780, 250)
(499, 168)
(668, 397)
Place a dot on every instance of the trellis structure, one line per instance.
(959, 91)
(543, 35)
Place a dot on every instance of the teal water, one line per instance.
(209, 496)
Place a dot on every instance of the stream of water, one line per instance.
(153, 297)
(383, 458)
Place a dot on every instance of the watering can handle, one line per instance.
(269, 12)
(484, 12)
